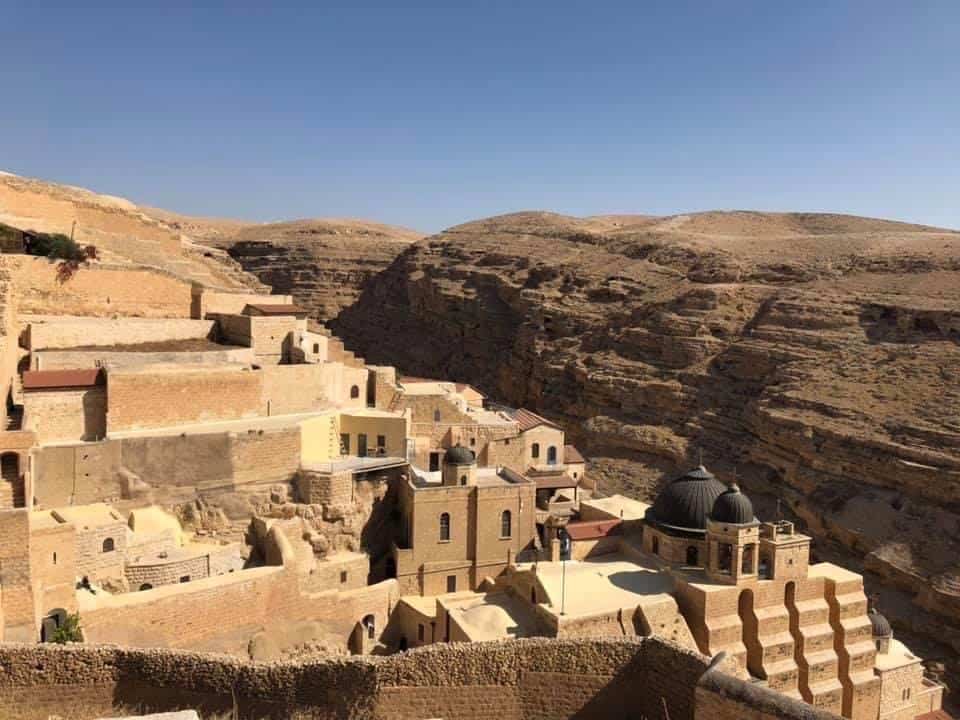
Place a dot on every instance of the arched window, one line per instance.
(444, 526)
(463, 479)
(535, 450)
(354, 392)
(551, 455)
(436, 416)
(506, 521)
(746, 565)
(108, 545)
(370, 625)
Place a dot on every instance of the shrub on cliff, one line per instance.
(58, 246)
(69, 630)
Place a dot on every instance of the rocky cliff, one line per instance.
(816, 355)
(324, 264)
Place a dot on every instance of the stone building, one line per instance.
(469, 526)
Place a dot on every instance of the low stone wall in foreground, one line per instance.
(535, 679)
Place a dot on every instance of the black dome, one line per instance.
(733, 507)
(685, 503)
(881, 626)
(458, 455)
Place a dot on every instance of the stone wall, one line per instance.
(101, 290)
(537, 679)
(72, 359)
(139, 400)
(47, 333)
(66, 415)
(213, 301)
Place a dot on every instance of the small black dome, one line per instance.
(881, 626)
(733, 507)
(685, 503)
(459, 455)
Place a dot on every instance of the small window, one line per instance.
(473, 442)
(444, 527)
(436, 416)
(655, 545)
(451, 583)
(535, 451)
(506, 521)
(54, 558)
(463, 479)
(354, 391)
(506, 442)
(421, 632)
(551, 455)
(108, 545)
(184, 578)
(381, 441)
(146, 586)
(343, 576)
(575, 476)
(316, 348)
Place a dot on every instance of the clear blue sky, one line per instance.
(431, 114)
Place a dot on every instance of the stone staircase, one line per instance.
(816, 657)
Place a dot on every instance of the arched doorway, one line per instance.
(693, 556)
(749, 630)
(50, 624)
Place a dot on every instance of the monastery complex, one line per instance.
(197, 468)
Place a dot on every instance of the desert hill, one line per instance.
(324, 263)
(123, 232)
(816, 355)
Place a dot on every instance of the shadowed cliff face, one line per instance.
(324, 264)
(817, 354)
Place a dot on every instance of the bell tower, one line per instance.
(733, 539)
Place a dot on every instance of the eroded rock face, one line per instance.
(819, 355)
(324, 264)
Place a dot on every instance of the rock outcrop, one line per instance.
(818, 355)
(324, 264)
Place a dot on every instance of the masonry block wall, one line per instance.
(139, 400)
(537, 679)
(66, 415)
(101, 290)
(17, 611)
(70, 332)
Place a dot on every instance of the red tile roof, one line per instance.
(59, 379)
(552, 481)
(572, 455)
(935, 715)
(278, 309)
(529, 420)
(593, 529)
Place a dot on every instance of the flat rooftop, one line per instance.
(898, 656)
(87, 516)
(492, 616)
(182, 345)
(485, 477)
(606, 584)
(618, 506)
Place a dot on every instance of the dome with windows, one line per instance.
(685, 503)
(733, 507)
(459, 455)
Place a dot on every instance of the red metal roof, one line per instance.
(57, 379)
(529, 420)
(593, 529)
(572, 455)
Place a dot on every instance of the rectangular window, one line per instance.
(362, 444)
(344, 443)
(451, 583)
(420, 632)
(381, 442)
(343, 576)
(185, 578)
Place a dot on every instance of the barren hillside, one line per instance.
(323, 263)
(818, 355)
(123, 232)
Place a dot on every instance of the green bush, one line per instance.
(69, 630)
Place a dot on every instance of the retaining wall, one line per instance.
(507, 680)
